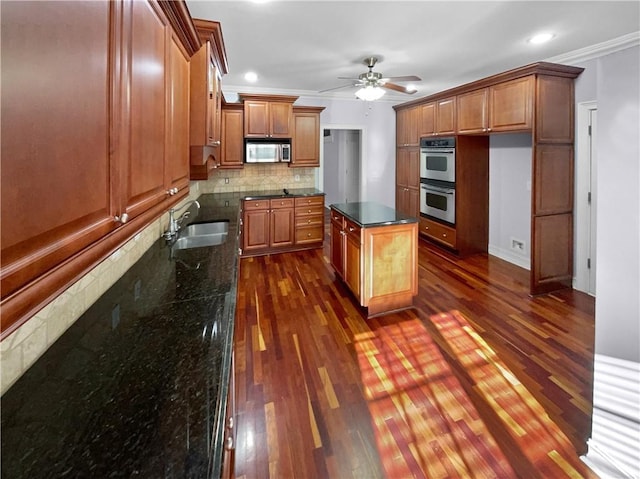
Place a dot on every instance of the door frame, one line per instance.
(340, 126)
(583, 184)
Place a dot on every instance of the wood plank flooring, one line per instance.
(302, 407)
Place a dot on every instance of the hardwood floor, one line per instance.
(303, 408)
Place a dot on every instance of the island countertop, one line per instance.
(368, 214)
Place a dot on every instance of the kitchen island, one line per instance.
(374, 249)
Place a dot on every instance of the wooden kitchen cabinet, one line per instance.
(408, 181)
(267, 224)
(208, 65)
(268, 116)
(108, 156)
(536, 98)
(473, 112)
(438, 232)
(437, 118)
(309, 217)
(377, 263)
(281, 227)
(511, 105)
(232, 143)
(306, 136)
(407, 127)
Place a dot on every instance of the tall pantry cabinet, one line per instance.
(94, 136)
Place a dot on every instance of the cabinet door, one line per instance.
(306, 139)
(511, 105)
(446, 116)
(408, 167)
(282, 227)
(177, 146)
(408, 121)
(232, 143)
(473, 111)
(55, 160)
(337, 243)
(255, 229)
(352, 263)
(428, 119)
(256, 119)
(280, 119)
(144, 171)
(215, 105)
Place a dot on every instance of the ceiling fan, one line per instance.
(372, 83)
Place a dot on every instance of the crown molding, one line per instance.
(598, 50)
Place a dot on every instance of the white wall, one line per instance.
(331, 168)
(613, 81)
(510, 196)
(377, 120)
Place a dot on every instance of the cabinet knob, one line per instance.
(351, 229)
(228, 445)
(308, 235)
(122, 219)
(309, 211)
(444, 235)
(426, 227)
(308, 221)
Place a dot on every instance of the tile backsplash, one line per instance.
(259, 177)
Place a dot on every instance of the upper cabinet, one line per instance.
(111, 152)
(437, 117)
(232, 146)
(407, 126)
(306, 136)
(208, 65)
(268, 116)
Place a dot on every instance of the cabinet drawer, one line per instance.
(438, 232)
(309, 210)
(352, 229)
(310, 201)
(278, 203)
(309, 234)
(256, 205)
(309, 220)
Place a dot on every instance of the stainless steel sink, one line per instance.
(202, 234)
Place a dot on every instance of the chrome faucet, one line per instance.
(175, 224)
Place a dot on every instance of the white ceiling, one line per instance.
(302, 47)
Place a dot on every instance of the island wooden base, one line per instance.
(377, 263)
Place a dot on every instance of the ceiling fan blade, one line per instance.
(400, 88)
(404, 78)
(337, 87)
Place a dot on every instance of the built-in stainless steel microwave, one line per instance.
(267, 152)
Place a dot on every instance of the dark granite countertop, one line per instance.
(254, 195)
(368, 214)
(137, 386)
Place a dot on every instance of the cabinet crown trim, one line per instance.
(211, 32)
(259, 97)
(539, 68)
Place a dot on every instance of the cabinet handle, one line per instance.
(121, 219)
(351, 229)
(229, 443)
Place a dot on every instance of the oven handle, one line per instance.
(438, 190)
(441, 150)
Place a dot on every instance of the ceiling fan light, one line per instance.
(370, 93)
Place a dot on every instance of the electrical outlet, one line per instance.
(226, 181)
(296, 178)
(517, 245)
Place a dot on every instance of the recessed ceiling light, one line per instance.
(251, 77)
(541, 38)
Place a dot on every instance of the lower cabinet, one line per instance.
(438, 232)
(273, 225)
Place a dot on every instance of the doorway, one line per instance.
(341, 164)
(586, 197)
